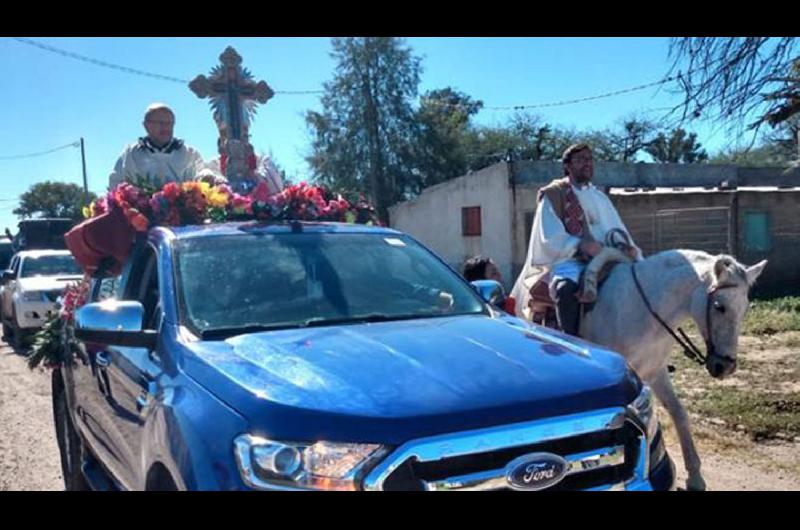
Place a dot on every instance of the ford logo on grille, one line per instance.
(536, 471)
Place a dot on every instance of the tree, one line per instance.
(731, 78)
(443, 118)
(634, 135)
(766, 155)
(53, 199)
(678, 147)
(364, 139)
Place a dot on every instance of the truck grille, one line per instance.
(603, 453)
(52, 296)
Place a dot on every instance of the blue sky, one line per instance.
(49, 100)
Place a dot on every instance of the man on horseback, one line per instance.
(572, 220)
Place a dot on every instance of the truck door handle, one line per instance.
(102, 360)
(147, 395)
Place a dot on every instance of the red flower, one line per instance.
(171, 191)
(139, 222)
(261, 192)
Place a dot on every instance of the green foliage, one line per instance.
(443, 148)
(767, 317)
(53, 199)
(761, 414)
(364, 139)
(677, 147)
(46, 347)
(778, 148)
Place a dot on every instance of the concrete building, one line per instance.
(752, 214)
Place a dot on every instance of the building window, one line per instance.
(471, 221)
(756, 232)
(529, 216)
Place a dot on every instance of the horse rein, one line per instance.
(689, 349)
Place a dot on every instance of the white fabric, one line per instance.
(551, 247)
(265, 170)
(159, 168)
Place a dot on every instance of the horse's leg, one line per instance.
(662, 387)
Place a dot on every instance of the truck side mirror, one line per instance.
(7, 276)
(114, 322)
(491, 291)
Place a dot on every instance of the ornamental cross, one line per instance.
(233, 95)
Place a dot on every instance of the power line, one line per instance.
(40, 153)
(306, 92)
(559, 103)
(129, 70)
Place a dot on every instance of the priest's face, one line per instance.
(159, 125)
(581, 166)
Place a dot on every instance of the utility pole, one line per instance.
(85, 185)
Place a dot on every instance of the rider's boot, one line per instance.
(567, 307)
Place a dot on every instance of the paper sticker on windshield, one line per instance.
(394, 241)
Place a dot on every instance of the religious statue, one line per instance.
(233, 95)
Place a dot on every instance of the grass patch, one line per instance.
(762, 415)
(767, 317)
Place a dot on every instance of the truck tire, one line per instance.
(69, 443)
(18, 335)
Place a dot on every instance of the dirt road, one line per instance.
(29, 457)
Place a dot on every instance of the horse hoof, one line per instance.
(697, 484)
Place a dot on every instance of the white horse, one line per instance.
(679, 285)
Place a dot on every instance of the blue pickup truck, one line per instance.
(328, 356)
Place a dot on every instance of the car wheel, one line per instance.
(69, 443)
(18, 336)
(7, 332)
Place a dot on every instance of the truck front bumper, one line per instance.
(32, 315)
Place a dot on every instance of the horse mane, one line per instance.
(702, 262)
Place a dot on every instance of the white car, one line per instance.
(32, 284)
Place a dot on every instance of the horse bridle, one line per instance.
(689, 349)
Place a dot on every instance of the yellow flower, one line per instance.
(217, 198)
(191, 185)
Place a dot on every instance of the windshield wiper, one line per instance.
(224, 333)
(361, 319)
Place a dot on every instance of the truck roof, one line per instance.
(40, 253)
(249, 227)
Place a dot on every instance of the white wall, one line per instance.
(434, 218)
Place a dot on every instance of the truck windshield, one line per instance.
(233, 284)
(49, 266)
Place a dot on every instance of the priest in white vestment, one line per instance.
(565, 236)
(158, 157)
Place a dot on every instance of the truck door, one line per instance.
(131, 374)
(91, 387)
(8, 289)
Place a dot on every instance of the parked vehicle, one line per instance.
(6, 252)
(41, 234)
(334, 357)
(31, 285)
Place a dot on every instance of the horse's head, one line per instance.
(720, 309)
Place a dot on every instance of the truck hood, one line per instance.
(46, 283)
(409, 378)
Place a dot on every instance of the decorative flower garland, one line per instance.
(49, 342)
(187, 203)
(200, 202)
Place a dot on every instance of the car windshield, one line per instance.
(234, 284)
(62, 265)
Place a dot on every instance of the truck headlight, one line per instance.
(32, 296)
(644, 408)
(268, 464)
